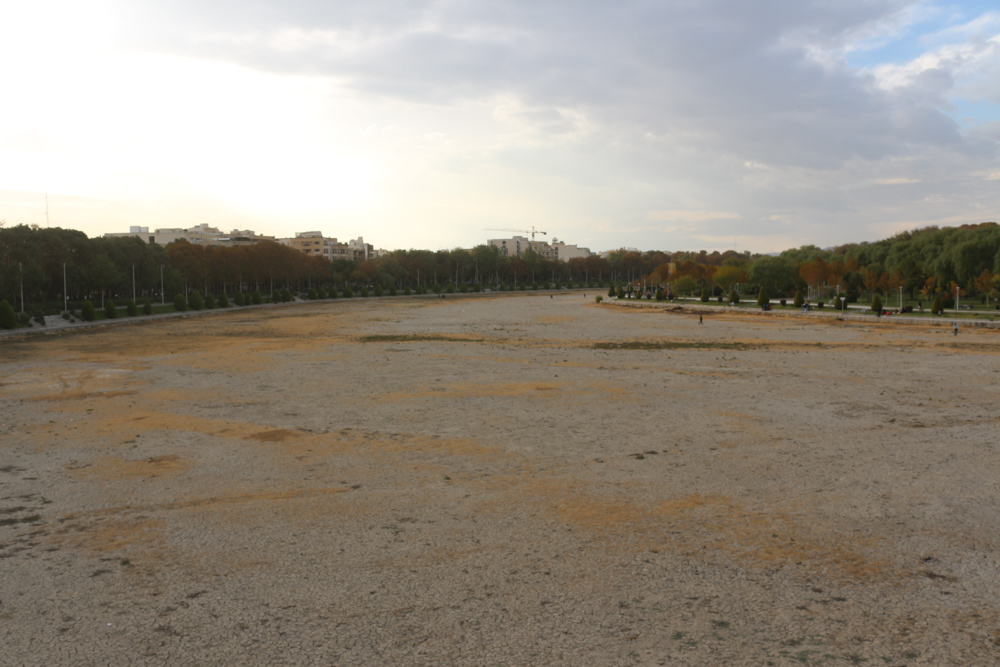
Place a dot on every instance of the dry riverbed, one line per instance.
(516, 480)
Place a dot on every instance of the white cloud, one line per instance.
(414, 121)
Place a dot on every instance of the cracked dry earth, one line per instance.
(499, 481)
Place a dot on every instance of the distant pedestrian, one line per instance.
(956, 328)
(700, 320)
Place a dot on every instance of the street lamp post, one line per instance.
(133, 282)
(65, 295)
(163, 301)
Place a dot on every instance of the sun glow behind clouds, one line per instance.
(127, 126)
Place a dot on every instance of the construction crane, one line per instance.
(531, 231)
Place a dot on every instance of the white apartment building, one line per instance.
(557, 250)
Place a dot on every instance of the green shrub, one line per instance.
(348, 292)
(799, 299)
(321, 293)
(838, 303)
(392, 291)
(621, 292)
(333, 293)
(763, 298)
(407, 291)
(131, 308)
(147, 307)
(195, 300)
(257, 298)
(659, 294)
(239, 299)
(704, 295)
(734, 298)
(287, 296)
(209, 301)
(87, 311)
(876, 305)
(436, 288)
(364, 290)
(598, 298)
(937, 307)
(312, 294)
(180, 303)
(65, 314)
(451, 288)
(110, 309)
(378, 290)
(8, 320)
(223, 300)
(463, 288)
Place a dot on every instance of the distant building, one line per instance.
(199, 235)
(136, 232)
(555, 251)
(566, 252)
(512, 247)
(314, 243)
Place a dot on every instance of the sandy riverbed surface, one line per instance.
(516, 480)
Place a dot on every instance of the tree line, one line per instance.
(46, 265)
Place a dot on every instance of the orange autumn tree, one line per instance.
(984, 283)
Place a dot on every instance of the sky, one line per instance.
(672, 125)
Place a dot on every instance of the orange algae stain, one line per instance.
(119, 468)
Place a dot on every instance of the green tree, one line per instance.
(734, 298)
(147, 306)
(223, 300)
(131, 308)
(763, 298)
(684, 285)
(704, 295)
(110, 309)
(180, 303)
(799, 299)
(348, 292)
(195, 301)
(87, 311)
(257, 297)
(876, 305)
(621, 292)
(611, 291)
(209, 301)
(8, 320)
